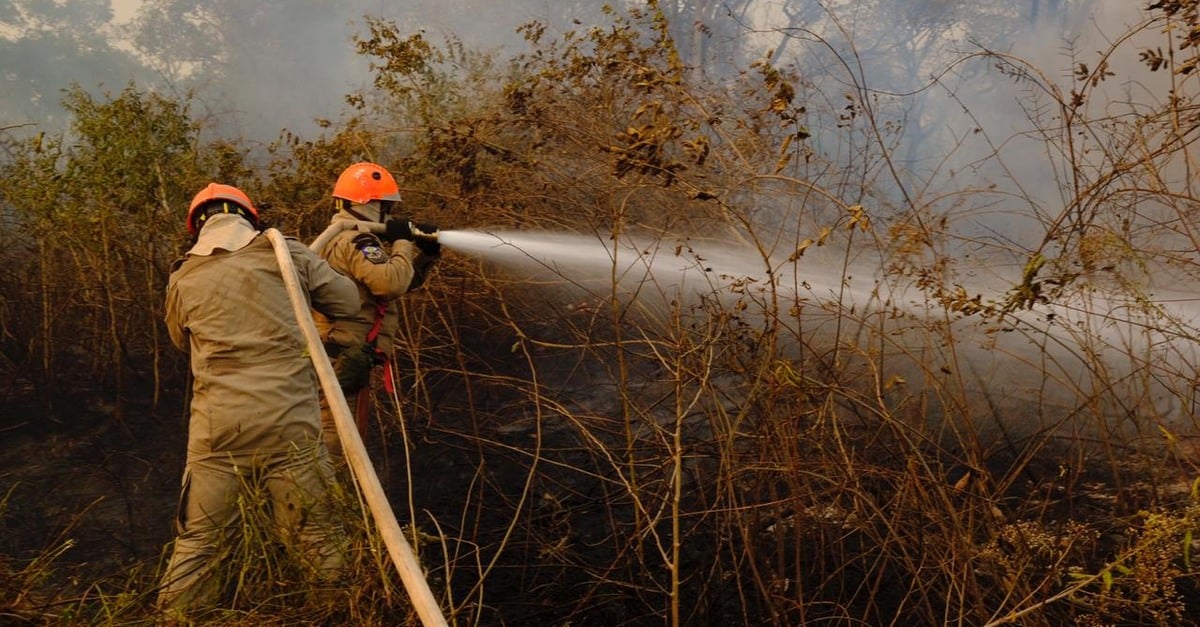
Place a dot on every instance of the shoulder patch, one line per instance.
(370, 247)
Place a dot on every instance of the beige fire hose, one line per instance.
(337, 226)
(402, 555)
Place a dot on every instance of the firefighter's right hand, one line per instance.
(423, 235)
(397, 228)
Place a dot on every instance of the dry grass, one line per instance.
(878, 431)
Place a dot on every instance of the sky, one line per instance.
(301, 95)
(294, 97)
(282, 101)
(124, 10)
(500, 18)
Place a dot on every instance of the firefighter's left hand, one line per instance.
(425, 238)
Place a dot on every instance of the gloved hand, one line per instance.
(353, 367)
(397, 228)
(425, 238)
(423, 235)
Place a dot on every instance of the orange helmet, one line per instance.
(364, 182)
(218, 193)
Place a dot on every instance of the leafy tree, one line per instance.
(97, 214)
(1185, 13)
(601, 130)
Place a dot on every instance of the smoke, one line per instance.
(950, 119)
(294, 67)
(254, 68)
(1084, 366)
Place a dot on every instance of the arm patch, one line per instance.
(371, 248)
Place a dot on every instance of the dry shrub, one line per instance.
(851, 438)
(827, 423)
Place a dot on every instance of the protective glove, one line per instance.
(353, 367)
(425, 238)
(423, 235)
(397, 228)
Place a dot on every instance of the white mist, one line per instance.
(1098, 364)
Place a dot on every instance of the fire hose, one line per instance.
(337, 226)
(402, 555)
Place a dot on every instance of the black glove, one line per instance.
(397, 228)
(423, 235)
(425, 238)
(353, 367)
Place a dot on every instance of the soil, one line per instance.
(95, 485)
(102, 481)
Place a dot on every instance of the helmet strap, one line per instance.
(361, 210)
(219, 207)
(341, 204)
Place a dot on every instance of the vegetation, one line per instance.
(900, 418)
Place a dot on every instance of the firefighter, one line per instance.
(384, 266)
(255, 414)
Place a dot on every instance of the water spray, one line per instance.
(1097, 356)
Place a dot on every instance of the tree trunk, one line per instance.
(45, 390)
(107, 281)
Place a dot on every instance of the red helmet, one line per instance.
(216, 192)
(364, 182)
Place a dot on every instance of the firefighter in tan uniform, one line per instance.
(384, 266)
(255, 414)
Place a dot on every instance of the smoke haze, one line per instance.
(313, 63)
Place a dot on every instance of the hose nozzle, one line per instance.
(419, 233)
(425, 237)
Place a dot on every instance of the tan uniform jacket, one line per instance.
(382, 271)
(254, 388)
